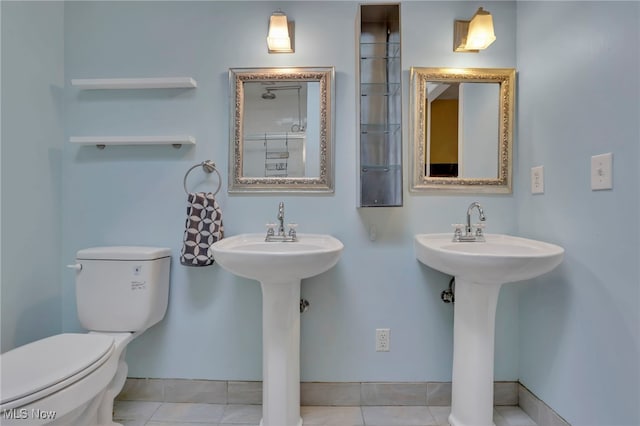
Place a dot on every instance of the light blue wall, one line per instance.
(32, 140)
(132, 195)
(577, 343)
(579, 95)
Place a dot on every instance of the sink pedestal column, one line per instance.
(473, 347)
(281, 353)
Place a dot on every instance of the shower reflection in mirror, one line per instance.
(276, 140)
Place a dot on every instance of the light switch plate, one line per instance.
(602, 172)
(537, 180)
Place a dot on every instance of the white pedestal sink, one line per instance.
(279, 266)
(480, 269)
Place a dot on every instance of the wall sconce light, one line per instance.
(280, 37)
(474, 35)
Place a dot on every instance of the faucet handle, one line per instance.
(292, 229)
(479, 229)
(457, 230)
(270, 228)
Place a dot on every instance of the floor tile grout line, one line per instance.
(504, 419)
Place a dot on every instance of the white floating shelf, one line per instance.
(102, 141)
(134, 83)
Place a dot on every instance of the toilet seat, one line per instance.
(38, 369)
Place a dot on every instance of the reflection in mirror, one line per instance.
(282, 130)
(462, 129)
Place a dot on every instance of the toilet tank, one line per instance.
(122, 288)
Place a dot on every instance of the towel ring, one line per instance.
(208, 166)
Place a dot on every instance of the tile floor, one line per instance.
(142, 413)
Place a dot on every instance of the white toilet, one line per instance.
(72, 379)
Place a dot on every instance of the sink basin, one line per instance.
(501, 259)
(280, 267)
(249, 256)
(480, 269)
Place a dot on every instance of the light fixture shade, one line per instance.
(481, 33)
(278, 40)
(474, 35)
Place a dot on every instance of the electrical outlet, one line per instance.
(382, 340)
(537, 180)
(601, 171)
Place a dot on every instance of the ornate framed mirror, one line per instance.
(281, 129)
(462, 129)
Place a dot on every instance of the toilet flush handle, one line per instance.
(76, 266)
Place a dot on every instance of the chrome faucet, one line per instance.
(473, 205)
(470, 234)
(281, 219)
(281, 235)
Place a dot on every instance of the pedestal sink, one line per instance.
(279, 266)
(480, 269)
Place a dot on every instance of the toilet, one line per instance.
(71, 379)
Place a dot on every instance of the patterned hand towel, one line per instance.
(203, 228)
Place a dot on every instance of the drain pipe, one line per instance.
(449, 295)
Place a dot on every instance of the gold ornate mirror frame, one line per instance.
(420, 182)
(250, 184)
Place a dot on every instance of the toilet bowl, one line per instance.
(71, 379)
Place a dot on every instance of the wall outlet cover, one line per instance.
(382, 339)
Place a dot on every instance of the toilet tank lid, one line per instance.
(123, 253)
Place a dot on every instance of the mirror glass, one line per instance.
(281, 130)
(462, 129)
